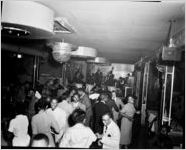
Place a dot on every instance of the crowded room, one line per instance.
(93, 74)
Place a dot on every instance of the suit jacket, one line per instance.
(99, 109)
(112, 105)
(111, 136)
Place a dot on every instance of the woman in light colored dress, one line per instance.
(127, 114)
(19, 127)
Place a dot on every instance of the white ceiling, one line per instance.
(121, 31)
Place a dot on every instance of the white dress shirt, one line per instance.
(67, 107)
(19, 127)
(111, 136)
(61, 118)
(78, 136)
(42, 123)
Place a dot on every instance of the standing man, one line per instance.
(98, 77)
(84, 99)
(99, 109)
(110, 103)
(60, 116)
(42, 122)
(111, 134)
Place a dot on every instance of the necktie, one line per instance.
(106, 128)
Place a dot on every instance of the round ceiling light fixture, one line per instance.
(14, 31)
(26, 19)
(61, 51)
(85, 52)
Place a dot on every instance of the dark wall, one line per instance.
(14, 70)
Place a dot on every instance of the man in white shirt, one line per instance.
(78, 136)
(111, 134)
(60, 116)
(42, 122)
(66, 104)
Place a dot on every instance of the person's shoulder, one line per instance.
(74, 128)
(90, 132)
(37, 116)
(49, 110)
(24, 117)
(114, 125)
(12, 121)
(62, 103)
(60, 110)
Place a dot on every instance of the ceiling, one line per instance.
(121, 31)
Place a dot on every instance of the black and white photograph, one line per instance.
(93, 74)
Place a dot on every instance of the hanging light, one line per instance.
(85, 52)
(99, 60)
(61, 51)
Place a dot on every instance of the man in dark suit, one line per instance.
(99, 109)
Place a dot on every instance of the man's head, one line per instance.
(78, 116)
(106, 118)
(130, 99)
(165, 129)
(104, 96)
(53, 103)
(40, 140)
(41, 104)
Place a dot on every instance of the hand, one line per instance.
(99, 143)
(138, 112)
(99, 136)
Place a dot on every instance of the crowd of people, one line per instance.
(108, 79)
(54, 115)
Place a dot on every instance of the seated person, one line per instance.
(161, 140)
